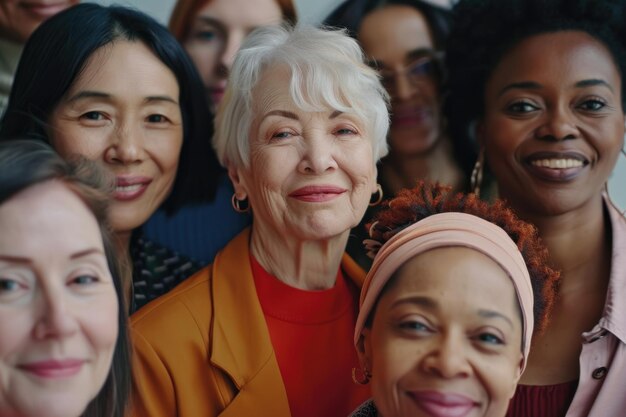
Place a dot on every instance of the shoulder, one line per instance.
(157, 269)
(367, 409)
(184, 310)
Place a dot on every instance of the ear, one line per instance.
(238, 180)
(364, 349)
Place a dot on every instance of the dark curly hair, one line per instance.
(412, 205)
(483, 31)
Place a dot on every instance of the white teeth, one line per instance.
(128, 188)
(557, 163)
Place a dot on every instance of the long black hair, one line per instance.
(56, 54)
(25, 163)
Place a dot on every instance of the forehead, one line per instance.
(458, 278)
(247, 13)
(564, 57)
(120, 64)
(37, 220)
(389, 33)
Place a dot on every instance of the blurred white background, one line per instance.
(314, 11)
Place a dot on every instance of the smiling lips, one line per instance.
(43, 9)
(52, 369)
(404, 116)
(556, 166)
(129, 188)
(440, 404)
(317, 193)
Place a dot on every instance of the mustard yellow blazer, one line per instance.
(204, 349)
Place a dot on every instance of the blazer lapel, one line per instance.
(241, 344)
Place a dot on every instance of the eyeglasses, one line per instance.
(425, 69)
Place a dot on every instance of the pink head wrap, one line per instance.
(446, 230)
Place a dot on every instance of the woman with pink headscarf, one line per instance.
(447, 311)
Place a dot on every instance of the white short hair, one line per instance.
(327, 71)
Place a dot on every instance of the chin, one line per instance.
(324, 228)
(410, 145)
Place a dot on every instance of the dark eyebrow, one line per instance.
(16, 259)
(592, 82)
(282, 113)
(87, 252)
(23, 260)
(426, 302)
(491, 314)
(82, 95)
(524, 85)
(212, 21)
(335, 114)
(153, 99)
(419, 53)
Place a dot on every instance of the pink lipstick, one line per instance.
(54, 368)
(129, 188)
(317, 193)
(441, 404)
(43, 9)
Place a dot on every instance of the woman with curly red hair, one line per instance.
(448, 309)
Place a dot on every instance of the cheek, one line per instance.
(90, 144)
(205, 57)
(100, 325)
(271, 168)
(391, 357)
(358, 163)
(166, 153)
(393, 362)
(498, 380)
(14, 334)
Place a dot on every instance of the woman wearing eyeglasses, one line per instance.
(403, 40)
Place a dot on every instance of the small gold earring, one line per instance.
(238, 203)
(365, 376)
(379, 192)
(476, 178)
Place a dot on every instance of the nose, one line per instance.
(232, 45)
(55, 318)
(404, 89)
(448, 358)
(559, 124)
(318, 154)
(126, 145)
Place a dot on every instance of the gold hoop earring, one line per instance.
(379, 192)
(365, 376)
(238, 203)
(476, 178)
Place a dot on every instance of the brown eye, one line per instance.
(157, 118)
(592, 105)
(93, 115)
(522, 107)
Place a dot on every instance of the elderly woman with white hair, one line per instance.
(266, 330)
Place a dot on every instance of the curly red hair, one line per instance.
(412, 205)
